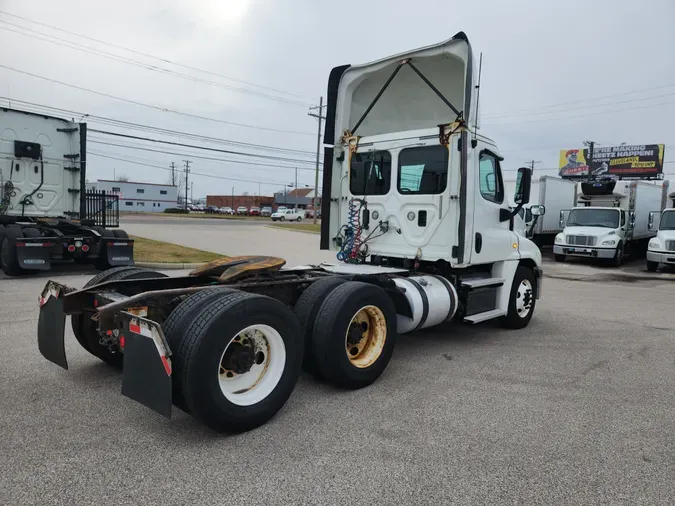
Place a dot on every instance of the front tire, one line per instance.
(617, 261)
(652, 266)
(282, 219)
(354, 334)
(239, 361)
(522, 300)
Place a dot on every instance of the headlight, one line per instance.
(654, 245)
(608, 243)
(559, 239)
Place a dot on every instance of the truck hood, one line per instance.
(407, 103)
(666, 235)
(590, 231)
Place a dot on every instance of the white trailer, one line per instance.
(610, 219)
(661, 249)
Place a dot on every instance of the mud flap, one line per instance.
(118, 252)
(52, 324)
(147, 366)
(33, 256)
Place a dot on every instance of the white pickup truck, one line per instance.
(287, 215)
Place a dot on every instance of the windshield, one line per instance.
(667, 221)
(608, 218)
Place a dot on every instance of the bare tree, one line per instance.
(122, 178)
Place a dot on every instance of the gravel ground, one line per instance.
(578, 408)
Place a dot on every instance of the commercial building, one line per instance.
(141, 197)
(235, 201)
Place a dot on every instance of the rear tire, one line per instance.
(652, 266)
(120, 234)
(265, 377)
(306, 309)
(354, 334)
(174, 330)
(522, 300)
(8, 255)
(559, 258)
(86, 330)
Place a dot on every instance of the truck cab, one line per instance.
(661, 249)
(414, 184)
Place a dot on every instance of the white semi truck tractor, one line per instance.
(610, 219)
(47, 214)
(414, 207)
(661, 249)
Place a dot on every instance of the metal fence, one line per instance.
(102, 208)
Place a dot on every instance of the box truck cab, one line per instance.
(661, 248)
(610, 217)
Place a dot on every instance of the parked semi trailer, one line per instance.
(610, 219)
(423, 234)
(46, 212)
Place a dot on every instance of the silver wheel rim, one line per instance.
(251, 365)
(524, 298)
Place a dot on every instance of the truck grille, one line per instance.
(581, 240)
(670, 245)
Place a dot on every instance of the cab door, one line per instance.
(493, 240)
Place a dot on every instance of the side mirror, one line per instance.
(650, 224)
(564, 214)
(523, 186)
(632, 219)
(538, 210)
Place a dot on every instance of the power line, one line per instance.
(149, 128)
(560, 104)
(194, 146)
(134, 51)
(214, 176)
(150, 106)
(137, 63)
(173, 153)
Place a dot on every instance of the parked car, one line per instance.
(226, 210)
(281, 209)
(242, 210)
(309, 213)
(266, 211)
(212, 210)
(287, 215)
(255, 211)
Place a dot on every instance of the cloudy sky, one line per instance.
(246, 71)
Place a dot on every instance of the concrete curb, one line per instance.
(291, 230)
(166, 266)
(618, 276)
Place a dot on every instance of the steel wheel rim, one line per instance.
(524, 298)
(255, 383)
(364, 344)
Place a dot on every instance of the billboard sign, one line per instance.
(642, 160)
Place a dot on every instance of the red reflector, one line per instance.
(85, 248)
(20, 244)
(167, 365)
(42, 301)
(135, 329)
(121, 341)
(71, 248)
(95, 303)
(47, 244)
(110, 243)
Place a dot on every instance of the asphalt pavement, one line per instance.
(578, 408)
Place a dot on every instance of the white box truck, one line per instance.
(421, 225)
(610, 218)
(661, 249)
(551, 195)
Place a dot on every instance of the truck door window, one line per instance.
(423, 171)
(370, 173)
(490, 180)
(623, 218)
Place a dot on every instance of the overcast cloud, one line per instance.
(536, 54)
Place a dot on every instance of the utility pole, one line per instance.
(589, 160)
(173, 174)
(187, 171)
(192, 188)
(233, 198)
(532, 162)
(317, 113)
(296, 189)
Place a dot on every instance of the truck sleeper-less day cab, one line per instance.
(661, 248)
(610, 218)
(417, 216)
(46, 212)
